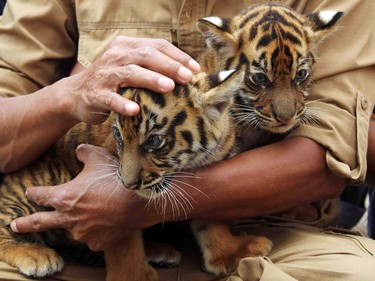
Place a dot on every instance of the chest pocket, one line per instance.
(99, 24)
(93, 41)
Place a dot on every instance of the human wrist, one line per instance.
(67, 100)
(157, 212)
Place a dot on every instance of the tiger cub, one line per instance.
(175, 133)
(187, 128)
(276, 49)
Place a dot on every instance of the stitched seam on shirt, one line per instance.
(123, 25)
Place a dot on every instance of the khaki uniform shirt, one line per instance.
(41, 40)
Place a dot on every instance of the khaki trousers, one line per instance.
(306, 254)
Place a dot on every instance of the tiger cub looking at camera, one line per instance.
(275, 48)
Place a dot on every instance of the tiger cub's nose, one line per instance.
(285, 119)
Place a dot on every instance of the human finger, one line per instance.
(162, 45)
(132, 75)
(155, 60)
(175, 53)
(154, 72)
(40, 195)
(119, 104)
(89, 154)
(38, 222)
(60, 197)
(137, 76)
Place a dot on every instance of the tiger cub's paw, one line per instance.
(33, 259)
(224, 260)
(162, 254)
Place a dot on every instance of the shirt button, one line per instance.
(364, 103)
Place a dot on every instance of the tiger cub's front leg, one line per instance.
(222, 251)
(126, 261)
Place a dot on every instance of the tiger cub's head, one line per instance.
(274, 46)
(187, 128)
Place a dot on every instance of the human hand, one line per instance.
(137, 62)
(94, 208)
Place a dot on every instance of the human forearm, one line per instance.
(263, 181)
(31, 124)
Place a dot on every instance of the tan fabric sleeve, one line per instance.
(37, 44)
(343, 93)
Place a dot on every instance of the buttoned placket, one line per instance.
(188, 37)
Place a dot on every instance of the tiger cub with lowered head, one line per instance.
(187, 128)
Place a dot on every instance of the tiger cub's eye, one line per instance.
(117, 135)
(155, 142)
(259, 79)
(301, 75)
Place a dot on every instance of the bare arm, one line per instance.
(31, 124)
(266, 181)
(260, 182)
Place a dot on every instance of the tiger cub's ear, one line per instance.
(216, 32)
(322, 23)
(220, 90)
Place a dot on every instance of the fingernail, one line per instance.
(194, 66)
(78, 147)
(184, 74)
(13, 226)
(131, 108)
(165, 84)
